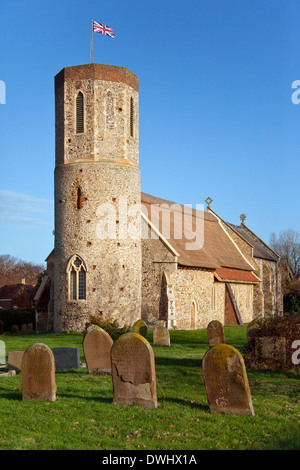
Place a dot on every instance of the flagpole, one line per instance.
(92, 51)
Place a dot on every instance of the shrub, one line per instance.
(17, 316)
(109, 325)
(291, 303)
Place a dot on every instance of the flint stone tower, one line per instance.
(97, 177)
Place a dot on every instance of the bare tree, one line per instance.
(287, 245)
(13, 270)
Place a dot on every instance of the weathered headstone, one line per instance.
(97, 346)
(226, 381)
(66, 358)
(14, 329)
(14, 360)
(161, 336)
(215, 333)
(252, 328)
(140, 327)
(133, 371)
(2, 353)
(9, 373)
(270, 352)
(38, 373)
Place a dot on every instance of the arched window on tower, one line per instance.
(78, 198)
(77, 278)
(79, 113)
(131, 117)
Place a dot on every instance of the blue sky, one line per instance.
(216, 115)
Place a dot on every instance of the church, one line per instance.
(121, 254)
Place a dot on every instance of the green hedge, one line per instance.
(18, 316)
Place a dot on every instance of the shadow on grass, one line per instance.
(97, 399)
(185, 403)
(13, 395)
(176, 361)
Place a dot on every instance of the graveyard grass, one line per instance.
(84, 416)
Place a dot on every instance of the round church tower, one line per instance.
(97, 254)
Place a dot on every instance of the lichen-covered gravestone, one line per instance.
(133, 371)
(38, 373)
(215, 333)
(97, 346)
(161, 336)
(140, 327)
(226, 381)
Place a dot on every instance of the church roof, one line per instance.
(217, 250)
(260, 248)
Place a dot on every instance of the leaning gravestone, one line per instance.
(215, 333)
(66, 358)
(38, 373)
(226, 381)
(97, 346)
(161, 336)
(140, 327)
(133, 371)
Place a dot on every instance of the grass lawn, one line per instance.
(84, 416)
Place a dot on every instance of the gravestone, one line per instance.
(140, 327)
(66, 358)
(270, 352)
(38, 373)
(226, 381)
(161, 336)
(14, 329)
(252, 329)
(97, 346)
(133, 371)
(14, 360)
(2, 352)
(9, 373)
(215, 333)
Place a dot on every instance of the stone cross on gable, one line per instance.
(243, 217)
(208, 201)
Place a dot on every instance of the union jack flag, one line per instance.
(101, 28)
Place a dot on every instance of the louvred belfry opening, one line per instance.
(79, 113)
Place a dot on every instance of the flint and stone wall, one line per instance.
(103, 163)
(199, 298)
